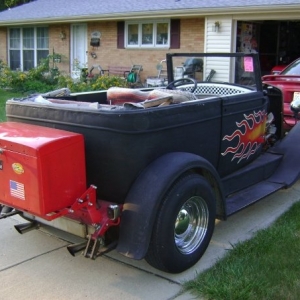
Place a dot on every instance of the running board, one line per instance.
(250, 195)
(286, 174)
(257, 171)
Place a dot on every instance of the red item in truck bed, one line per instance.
(42, 170)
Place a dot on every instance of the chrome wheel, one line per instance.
(191, 225)
(184, 224)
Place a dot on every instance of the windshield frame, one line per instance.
(254, 58)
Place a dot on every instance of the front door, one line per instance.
(78, 49)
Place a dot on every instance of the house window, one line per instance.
(27, 46)
(147, 34)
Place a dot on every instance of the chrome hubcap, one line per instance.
(191, 225)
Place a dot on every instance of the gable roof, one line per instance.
(45, 11)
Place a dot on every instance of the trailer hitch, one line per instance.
(92, 249)
(102, 215)
(95, 245)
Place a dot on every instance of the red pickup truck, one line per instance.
(288, 82)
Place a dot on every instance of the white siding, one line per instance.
(221, 41)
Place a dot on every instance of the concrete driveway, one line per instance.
(36, 265)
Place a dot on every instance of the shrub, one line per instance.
(12, 79)
(36, 86)
(90, 84)
(104, 82)
(39, 79)
(43, 78)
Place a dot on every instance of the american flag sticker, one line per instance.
(17, 189)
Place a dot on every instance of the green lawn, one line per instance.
(263, 268)
(5, 95)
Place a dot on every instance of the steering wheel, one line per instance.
(182, 81)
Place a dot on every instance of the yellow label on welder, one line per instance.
(18, 168)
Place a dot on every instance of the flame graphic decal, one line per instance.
(249, 140)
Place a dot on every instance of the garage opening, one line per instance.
(277, 42)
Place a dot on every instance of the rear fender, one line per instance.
(146, 194)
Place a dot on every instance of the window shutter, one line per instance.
(175, 34)
(120, 35)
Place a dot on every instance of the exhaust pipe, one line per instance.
(75, 248)
(25, 227)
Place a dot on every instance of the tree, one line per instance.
(12, 3)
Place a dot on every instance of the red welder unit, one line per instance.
(42, 169)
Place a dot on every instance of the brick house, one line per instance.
(123, 33)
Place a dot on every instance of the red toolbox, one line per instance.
(42, 170)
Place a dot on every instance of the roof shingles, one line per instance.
(72, 9)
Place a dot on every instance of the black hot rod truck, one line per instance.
(147, 171)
